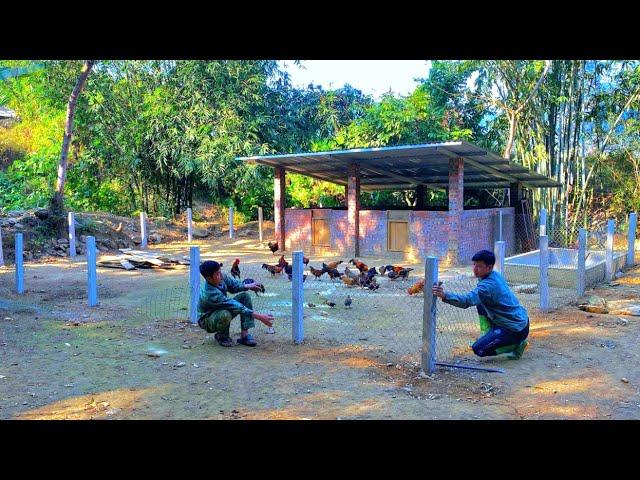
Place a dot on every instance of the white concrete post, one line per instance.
(611, 225)
(194, 283)
(428, 357)
(1, 254)
(543, 221)
(631, 240)
(297, 299)
(143, 229)
(499, 249)
(231, 222)
(500, 227)
(92, 277)
(19, 264)
(582, 260)
(544, 273)
(260, 222)
(189, 226)
(72, 235)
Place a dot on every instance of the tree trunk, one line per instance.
(57, 202)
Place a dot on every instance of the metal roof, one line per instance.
(407, 166)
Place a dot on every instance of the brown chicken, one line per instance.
(273, 247)
(273, 269)
(350, 282)
(235, 270)
(359, 265)
(305, 260)
(330, 266)
(416, 287)
(316, 273)
(282, 262)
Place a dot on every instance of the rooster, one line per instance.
(273, 269)
(333, 273)
(404, 274)
(235, 270)
(316, 273)
(305, 260)
(416, 287)
(359, 265)
(328, 266)
(273, 247)
(282, 262)
(249, 281)
(390, 268)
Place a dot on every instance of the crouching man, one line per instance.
(504, 323)
(216, 310)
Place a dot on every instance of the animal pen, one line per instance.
(394, 322)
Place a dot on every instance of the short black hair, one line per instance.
(485, 256)
(209, 267)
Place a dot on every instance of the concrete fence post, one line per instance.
(143, 230)
(297, 299)
(231, 222)
(611, 226)
(500, 226)
(189, 226)
(72, 234)
(1, 254)
(499, 249)
(428, 358)
(544, 273)
(631, 240)
(194, 283)
(260, 222)
(543, 221)
(581, 282)
(92, 276)
(19, 264)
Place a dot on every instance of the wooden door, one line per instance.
(398, 236)
(320, 232)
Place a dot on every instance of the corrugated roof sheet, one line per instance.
(406, 166)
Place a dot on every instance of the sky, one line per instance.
(373, 77)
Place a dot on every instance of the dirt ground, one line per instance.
(60, 359)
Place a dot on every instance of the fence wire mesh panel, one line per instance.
(526, 233)
(169, 300)
(456, 328)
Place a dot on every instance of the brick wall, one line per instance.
(428, 233)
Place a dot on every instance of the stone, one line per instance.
(18, 226)
(15, 213)
(200, 232)
(137, 240)
(8, 222)
(41, 213)
(63, 241)
(155, 238)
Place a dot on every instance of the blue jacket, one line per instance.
(493, 293)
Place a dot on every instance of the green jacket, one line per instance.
(214, 298)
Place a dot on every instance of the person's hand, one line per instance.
(256, 287)
(438, 291)
(265, 318)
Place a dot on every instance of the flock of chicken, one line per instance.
(362, 276)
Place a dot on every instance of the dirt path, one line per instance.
(60, 359)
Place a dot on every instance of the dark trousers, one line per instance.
(498, 337)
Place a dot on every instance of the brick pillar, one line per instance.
(420, 193)
(456, 207)
(279, 205)
(353, 209)
(346, 195)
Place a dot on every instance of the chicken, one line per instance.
(390, 268)
(333, 273)
(404, 274)
(351, 274)
(416, 287)
(249, 281)
(316, 273)
(359, 265)
(273, 269)
(328, 266)
(282, 262)
(235, 270)
(305, 260)
(372, 272)
(331, 304)
(347, 301)
(288, 269)
(273, 247)
(348, 281)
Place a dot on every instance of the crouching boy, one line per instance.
(216, 310)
